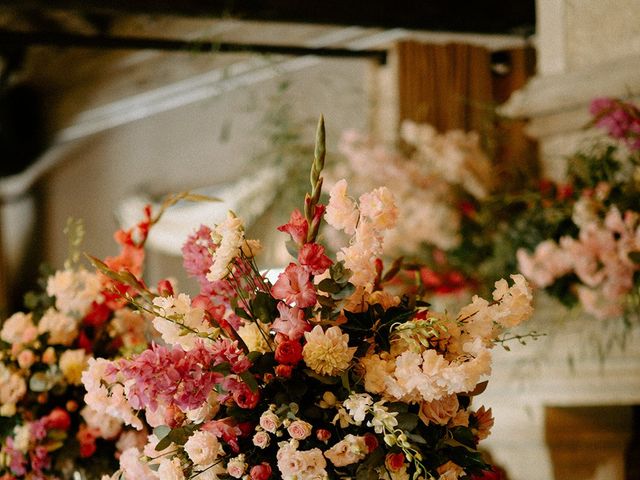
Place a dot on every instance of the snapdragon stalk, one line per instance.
(312, 199)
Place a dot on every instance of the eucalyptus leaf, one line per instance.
(161, 431)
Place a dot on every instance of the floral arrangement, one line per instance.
(323, 374)
(591, 252)
(46, 429)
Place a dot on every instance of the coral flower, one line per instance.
(294, 286)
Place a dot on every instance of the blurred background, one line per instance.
(108, 105)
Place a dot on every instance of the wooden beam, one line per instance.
(488, 16)
(25, 39)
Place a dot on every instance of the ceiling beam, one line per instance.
(488, 16)
(25, 39)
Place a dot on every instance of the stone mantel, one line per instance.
(552, 412)
(556, 105)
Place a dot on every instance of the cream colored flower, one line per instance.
(439, 411)
(379, 206)
(72, 363)
(254, 335)
(170, 469)
(327, 352)
(202, 448)
(342, 213)
(188, 321)
(12, 387)
(450, 471)
(74, 290)
(229, 236)
(108, 427)
(18, 328)
(349, 450)
(62, 329)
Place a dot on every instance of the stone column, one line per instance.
(586, 49)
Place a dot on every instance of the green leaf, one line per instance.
(634, 257)
(329, 286)
(224, 368)
(242, 313)
(164, 443)
(253, 356)
(292, 248)
(464, 436)
(345, 292)
(161, 431)
(264, 307)
(321, 378)
(250, 380)
(407, 421)
(41, 382)
(339, 272)
(345, 380)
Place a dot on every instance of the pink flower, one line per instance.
(197, 254)
(174, 377)
(261, 439)
(260, 472)
(87, 438)
(297, 227)
(245, 398)
(323, 435)
(299, 429)
(58, 419)
(294, 287)
(620, 119)
(291, 322)
(40, 459)
(312, 257)
(226, 429)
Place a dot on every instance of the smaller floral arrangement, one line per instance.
(46, 429)
(323, 374)
(592, 256)
(437, 179)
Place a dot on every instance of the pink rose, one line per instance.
(269, 421)
(261, 439)
(26, 358)
(260, 472)
(236, 466)
(299, 429)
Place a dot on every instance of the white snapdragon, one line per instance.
(229, 236)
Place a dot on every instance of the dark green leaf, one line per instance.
(407, 421)
(242, 313)
(322, 378)
(264, 307)
(250, 380)
(224, 368)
